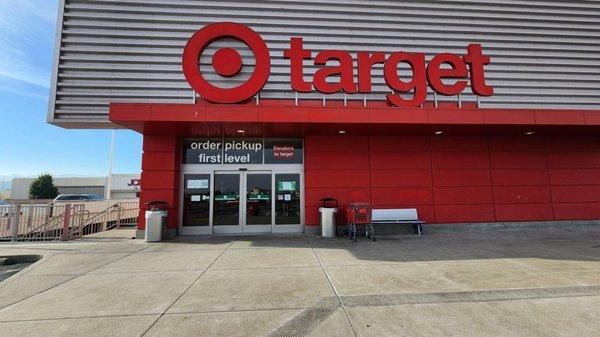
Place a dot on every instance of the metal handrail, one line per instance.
(40, 223)
(77, 231)
(46, 226)
(54, 224)
(106, 220)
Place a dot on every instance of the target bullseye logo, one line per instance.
(226, 62)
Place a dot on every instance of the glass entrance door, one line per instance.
(258, 213)
(253, 201)
(226, 202)
(242, 202)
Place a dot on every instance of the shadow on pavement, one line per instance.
(554, 244)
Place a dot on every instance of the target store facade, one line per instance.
(470, 112)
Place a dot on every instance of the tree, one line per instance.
(43, 188)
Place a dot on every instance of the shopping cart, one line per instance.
(359, 214)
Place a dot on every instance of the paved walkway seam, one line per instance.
(188, 288)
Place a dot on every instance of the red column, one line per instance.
(160, 175)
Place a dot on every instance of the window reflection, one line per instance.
(226, 210)
(287, 199)
(258, 199)
(196, 200)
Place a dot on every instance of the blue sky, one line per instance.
(28, 145)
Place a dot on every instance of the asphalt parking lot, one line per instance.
(488, 283)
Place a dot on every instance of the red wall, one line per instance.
(457, 179)
(160, 175)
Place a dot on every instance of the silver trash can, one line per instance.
(156, 221)
(327, 218)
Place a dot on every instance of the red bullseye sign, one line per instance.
(226, 62)
(446, 73)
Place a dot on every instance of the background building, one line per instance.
(123, 186)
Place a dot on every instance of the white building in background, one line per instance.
(123, 186)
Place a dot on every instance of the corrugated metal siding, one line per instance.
(545, 54)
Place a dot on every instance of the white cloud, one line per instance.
(24, 27)
(14, 88)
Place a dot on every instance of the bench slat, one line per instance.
(415, 222)
(398, 216)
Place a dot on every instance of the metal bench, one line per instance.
(399, 216)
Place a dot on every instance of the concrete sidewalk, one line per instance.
(528, 283)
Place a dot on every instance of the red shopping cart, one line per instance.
(359, 214)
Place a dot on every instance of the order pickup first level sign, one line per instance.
(242, 151)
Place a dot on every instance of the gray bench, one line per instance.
(400, 216)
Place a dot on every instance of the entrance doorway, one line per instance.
(242, 202)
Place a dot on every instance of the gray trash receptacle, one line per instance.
(156, 221)
(327, 218)
(156, 225)
(328, 226)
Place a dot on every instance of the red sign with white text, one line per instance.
(283, 151)
(227, 62)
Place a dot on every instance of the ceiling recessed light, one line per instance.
(530, 132)
(439, 132)
(341, 132)
(240, 131)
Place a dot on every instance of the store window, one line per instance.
(196, 200)
(287, 199)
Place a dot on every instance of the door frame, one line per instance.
(250, 168)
